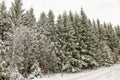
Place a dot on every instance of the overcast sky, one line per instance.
(105, 10)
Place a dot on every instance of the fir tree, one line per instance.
(45, 55)
(46, 27)
(59, 43)
(113, 42)
(65, 55)
(2, 67)
(42, 22)
(4, 24)
(30, 19)
(87, 42)
(73, 23)
(51, 36)
(16, 13)
(117, 30)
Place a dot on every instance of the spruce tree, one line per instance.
(87, 42)
(59, 43)
(16, 13)
(3, 74)
(117, 30)
(73, 25)
(63, 37)
(113, 42)
(42, 22)
(4, 24)
(77, 43)
(68, 35)
(47, 55)
(29, 18)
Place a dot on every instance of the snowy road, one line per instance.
(112, 73)
(109, 73)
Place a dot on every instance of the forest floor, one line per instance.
(104, 73)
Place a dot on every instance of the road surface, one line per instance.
(110, 73)
(106, 73)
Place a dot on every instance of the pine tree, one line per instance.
(113, 42)
(51, 29)
(16, 13)
(73, 41)
(47, 53)
(2, 68)
(59, 44)
(87, 42)
(64, 55)
(4, 24)
(77, 43)
(36, 70)
(29, 18)
(68, 31)
(42, 22)
(104, 55)
(117, 30)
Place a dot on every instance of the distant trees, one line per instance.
(70, 43)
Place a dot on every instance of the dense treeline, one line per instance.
(71, 43)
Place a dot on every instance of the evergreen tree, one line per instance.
(29, 19)
(77, 42)
(87, 42)
(16, 13)
(60, 53)
(51, 36)
(69, 62)
(45, 53)
(106, 55)
(2, 67)
(117, 30)
(63, 43)
(73, 24)
(4, 24)
(113, 42)
(46, 27)
(42, 22)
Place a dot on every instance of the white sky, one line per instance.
(105, 10)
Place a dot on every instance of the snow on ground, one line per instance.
(108, 73)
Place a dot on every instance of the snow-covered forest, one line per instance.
(72, 43)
